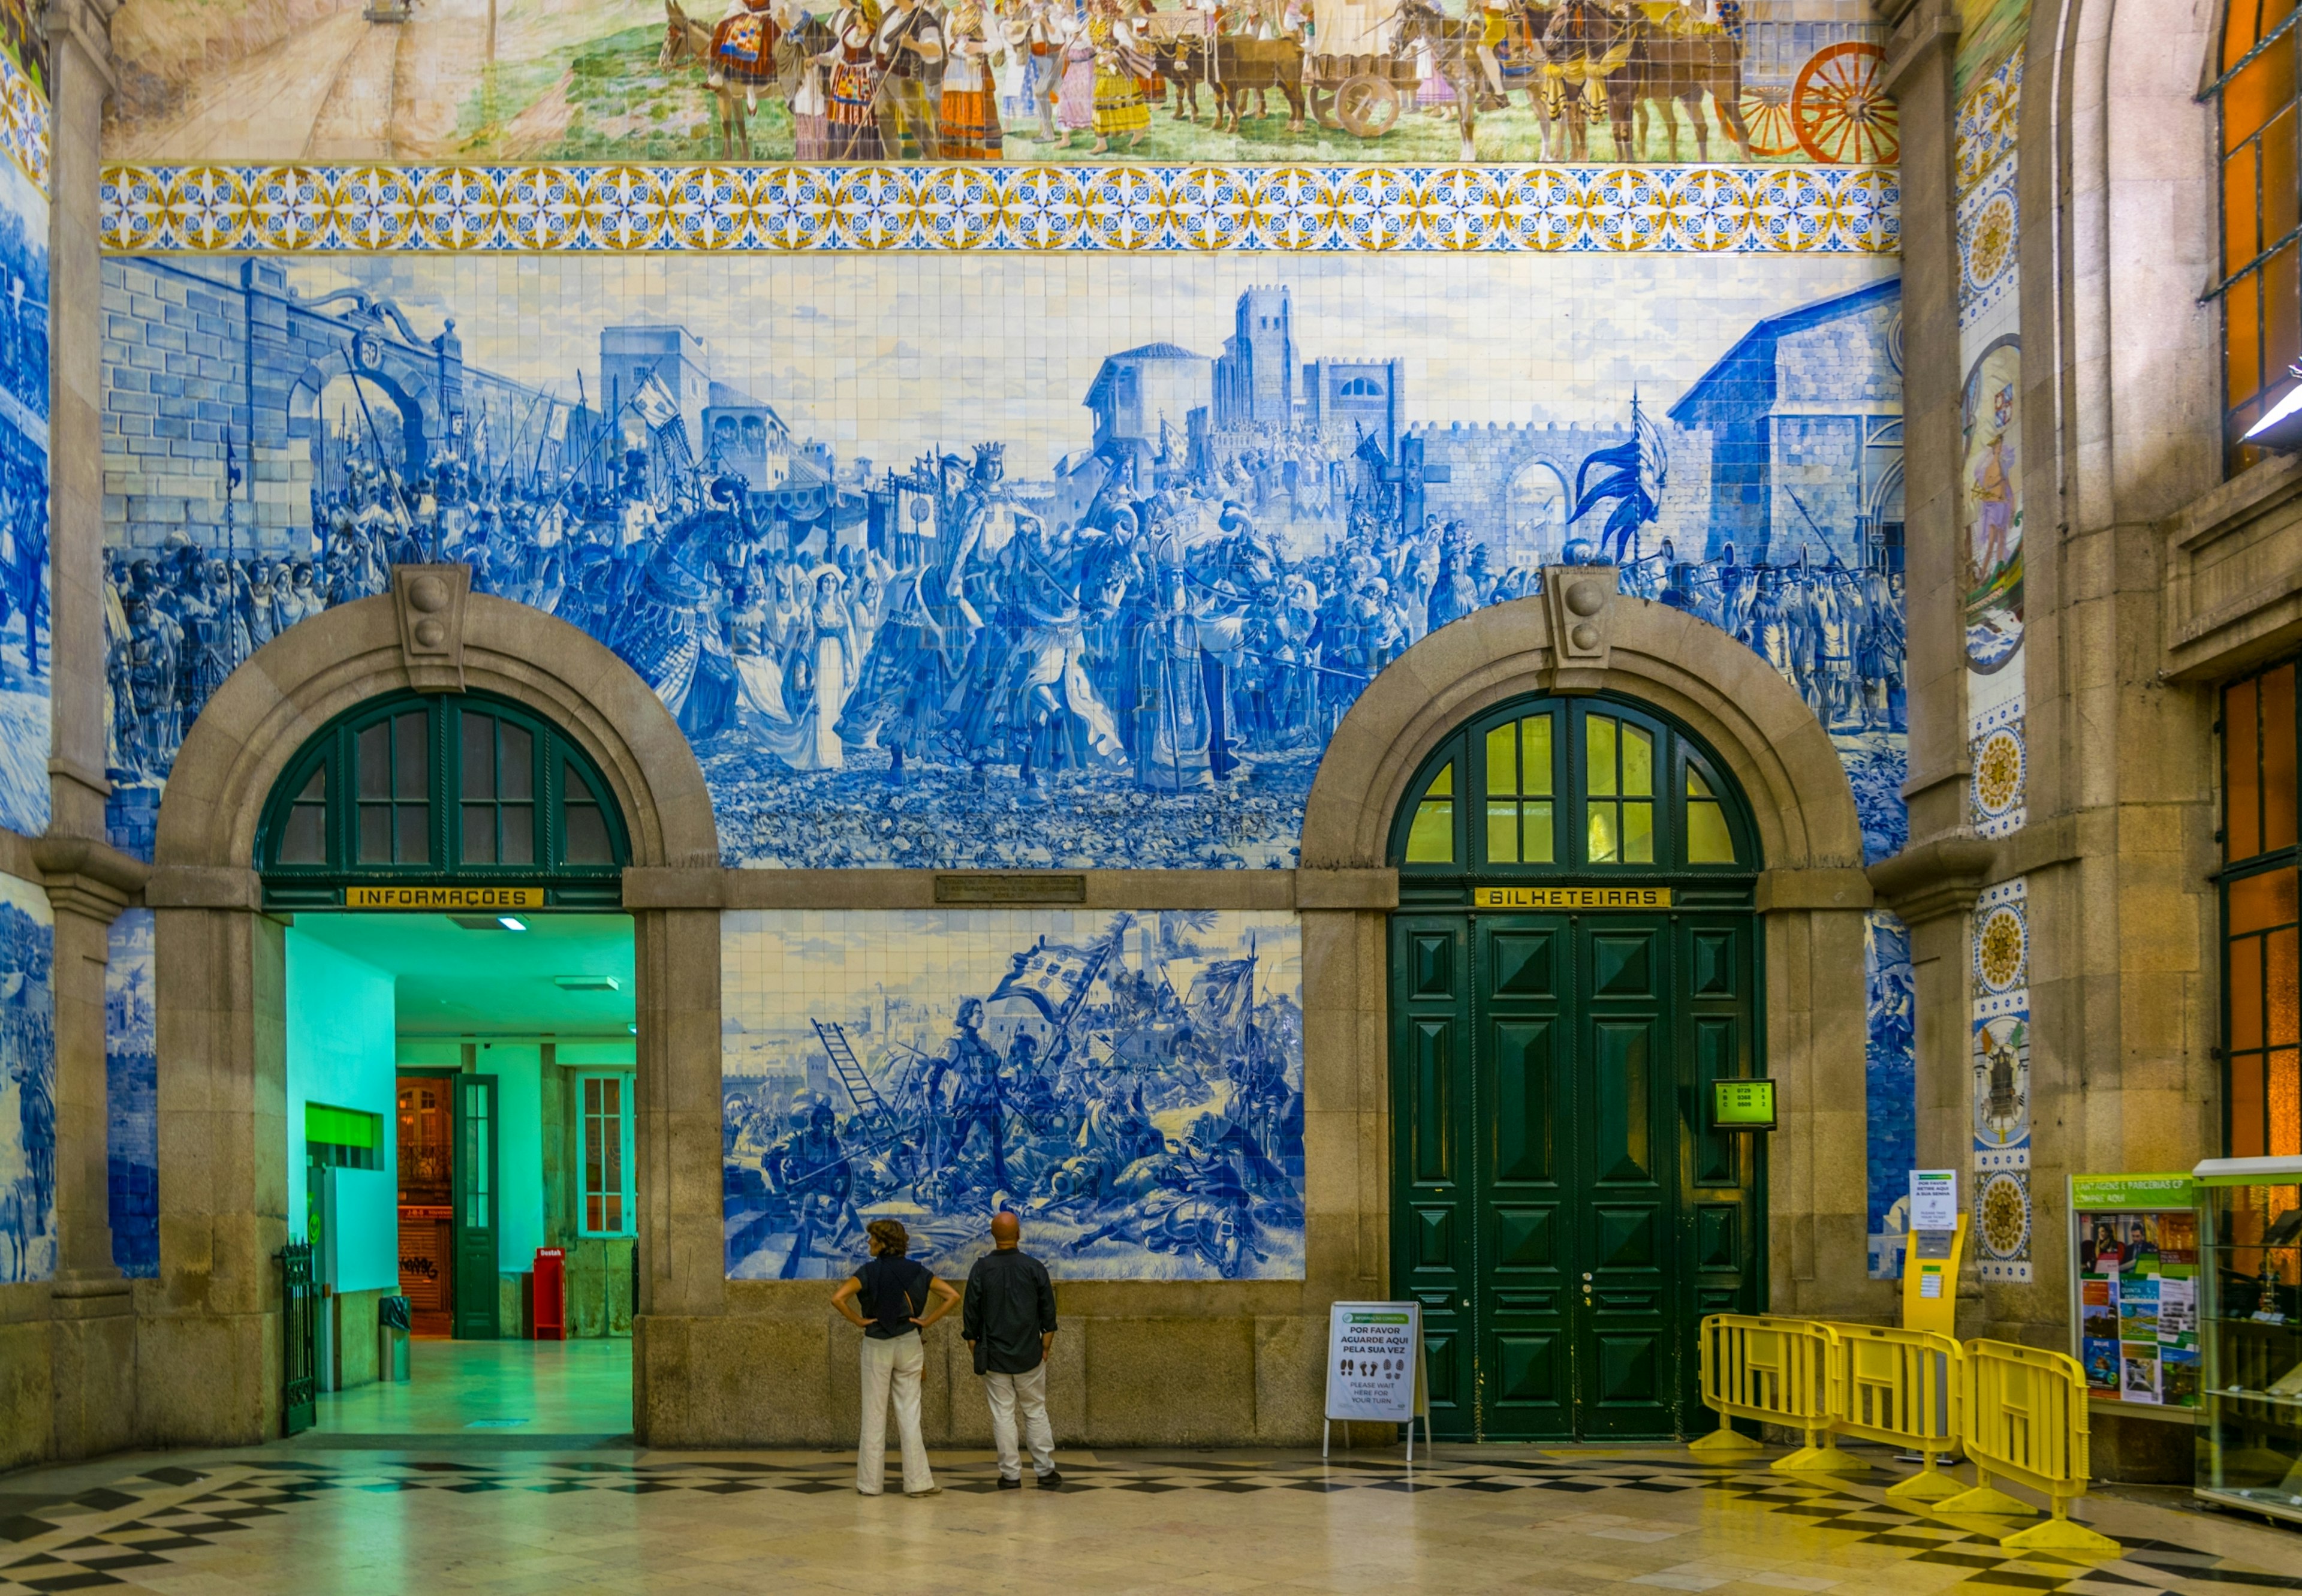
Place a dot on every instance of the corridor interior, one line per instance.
(462, 1087)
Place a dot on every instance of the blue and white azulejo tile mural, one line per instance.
(27, 1083)
(947, 561)
(1130, 1084)
(131, 1068)
(24, 581)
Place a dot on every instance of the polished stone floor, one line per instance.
(507, 1469)
(490, 1512)
(573, 1389)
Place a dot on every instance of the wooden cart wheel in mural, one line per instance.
(1841, 110)
(1767, 112)
(1366, 105)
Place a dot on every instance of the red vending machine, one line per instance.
(550, 1294)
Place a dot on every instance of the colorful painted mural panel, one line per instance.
(24, 581)
(1013, 562)
(27, 1083)
(1130, 1084)
(1167, 81)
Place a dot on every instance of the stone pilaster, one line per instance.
(80, 78)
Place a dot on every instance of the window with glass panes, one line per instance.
(440, 789)
(1587, 784)
(2262, 215)
(2262, 923)
(607, 1127)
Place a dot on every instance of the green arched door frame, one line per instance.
(447, 793)
(1574, 959)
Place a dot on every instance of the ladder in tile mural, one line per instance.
(846, 1065)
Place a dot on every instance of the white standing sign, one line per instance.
(1375, 1366)
(1934, 1199)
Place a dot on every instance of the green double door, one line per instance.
(1561, 1207)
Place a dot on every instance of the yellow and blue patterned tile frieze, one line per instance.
(24, 122)
(778, 209)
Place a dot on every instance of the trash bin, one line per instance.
(393, 1320)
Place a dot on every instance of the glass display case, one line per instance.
(2251, 1328)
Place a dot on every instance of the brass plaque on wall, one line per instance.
(1571, 897)
(1016, 888)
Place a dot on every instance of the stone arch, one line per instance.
(221, 981)
(414, 399)
(267, 708)
(1536, 475)
(1756, 721)
(2122, 149)
(1812, 898)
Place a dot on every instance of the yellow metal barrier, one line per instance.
(1904, 1388)
(1776, 1371)
(2026, 1420)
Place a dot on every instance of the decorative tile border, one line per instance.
(1988, 225)
(1988, 120)
(1125, 209)
(24, 122)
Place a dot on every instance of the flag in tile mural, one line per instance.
(1130, 1084)
(1026, 561)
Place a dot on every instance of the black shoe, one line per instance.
(1007, 1484)
(1048, 1480)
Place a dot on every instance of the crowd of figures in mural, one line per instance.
(1134, 660)
(27, 1084)
(1131, 1085)
(1023, 79)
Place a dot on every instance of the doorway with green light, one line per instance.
(461, 1042)
(1576, 958)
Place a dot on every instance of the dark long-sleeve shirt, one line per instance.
(1010, 1304)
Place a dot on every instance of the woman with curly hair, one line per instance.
(900, 1299)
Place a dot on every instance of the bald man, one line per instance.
(1010, 1321)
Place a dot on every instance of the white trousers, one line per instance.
(892, 1366)
(1028, 1391)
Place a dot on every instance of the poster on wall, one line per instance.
(1130, 1084)
(27, 1084)
(1797, 83)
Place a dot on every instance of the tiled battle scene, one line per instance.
(299, 1518)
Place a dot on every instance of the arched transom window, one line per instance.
(442, 789)
(1552, 785)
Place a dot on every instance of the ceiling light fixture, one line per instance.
(511, 922)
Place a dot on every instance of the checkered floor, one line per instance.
(168, 1519)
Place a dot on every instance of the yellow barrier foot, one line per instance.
(1820, 1460)
(1928, 1485)
(2061, 1534)
(1725, 1440)
(1987, 1498)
